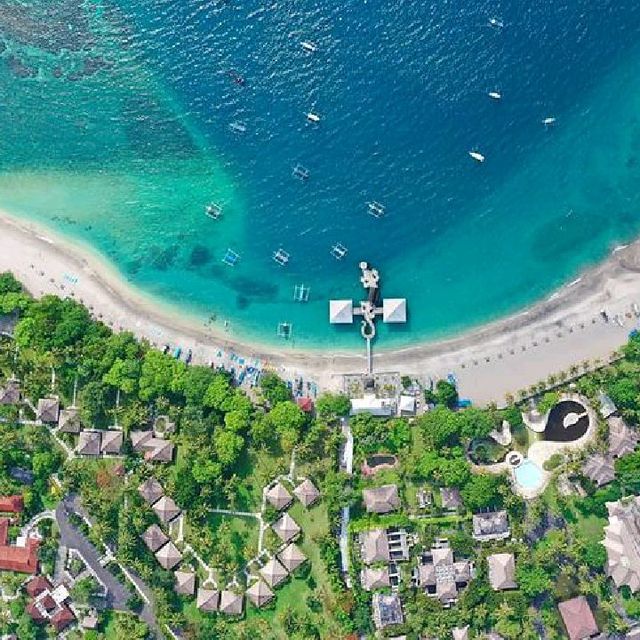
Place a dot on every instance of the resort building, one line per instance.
(460, 633)
(207, 600)
(168, 556)
(440, 576)
(306, 492)
(153, 448)
(374, 578)
(374, 546)
(48, 604)
(89, 444)
(69, 421)
(369, 403)
(47, 410)
(10, 393)
(166, 509)
(185, 583)
(599, 469)
(621, 542)
(273, 573)
(151, 490)
(386, 610)
(291, 557)
(231, 603)
(278, 496)
(502, 571)
(623, 439)
(493, 525)
(24, 558)
(154, 538)
(407, 405)
(259, 594)
(286, 528)
(111, 442)
(381, 500)
(578, 618)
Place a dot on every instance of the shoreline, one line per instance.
(500, 357)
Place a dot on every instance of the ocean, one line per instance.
(120, 120)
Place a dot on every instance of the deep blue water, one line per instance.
(401, 88)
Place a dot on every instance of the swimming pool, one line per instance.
(529, 475)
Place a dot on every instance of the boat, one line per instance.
(285, 329)
(231, 259)
(213, 211)
(495, 95)
(375, 209)
(300, 172)
(338, 251)
(281, 257)
(301, 293)
(313, 117)
(477, 156)
(309, 47)
(548, 121)
(496, 23)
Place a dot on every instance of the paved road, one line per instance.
(72, 538)
(118, 593)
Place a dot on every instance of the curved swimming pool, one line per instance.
(529, 475)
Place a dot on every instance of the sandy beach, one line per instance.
(499, 358)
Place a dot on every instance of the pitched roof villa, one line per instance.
(185, 582)
(578, 618)
(259, 593)
(382, 499)
(374, 546)
(273, 573)
(10, 393)
(374, 578)
(48, 409)
(278, 496)
(154, 449)
(151, 490)
(166, 509)
(286, 528)
(69, 421)
(502, 571)
(306, 492)
(493, 525)
(622, 542)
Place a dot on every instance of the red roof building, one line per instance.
(35, 613)
(11, 504)
(306, 404)
(578, 618)
(38, 585)
(62, 618)
(12, 558)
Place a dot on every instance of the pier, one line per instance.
(392, 310)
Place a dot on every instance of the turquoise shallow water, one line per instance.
(114, 128)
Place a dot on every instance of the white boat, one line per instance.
(495, 95)
(309, 47)
(476, 156)
(496, 23)
(548, 121)
(313, 117)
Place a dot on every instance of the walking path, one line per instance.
(347, 465)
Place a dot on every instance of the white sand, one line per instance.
(567, 326)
